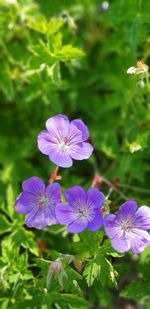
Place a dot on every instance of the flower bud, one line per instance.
(55, 266)
(78, 264)
(97, 180)
(54, 272)
(140, 84)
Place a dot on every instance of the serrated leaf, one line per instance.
(107, 273)
(68, 52)
(54, 25)
(91, 272)
(39, 24)
(43, 53)
(49, 57)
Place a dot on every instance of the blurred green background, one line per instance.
(71, 57)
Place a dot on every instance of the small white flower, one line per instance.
(131, 70)
(139, 69)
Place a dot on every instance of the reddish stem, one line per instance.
(54, 175)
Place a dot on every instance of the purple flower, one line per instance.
(127, 229)
(82, 210)
(38, 202)
(64, 141)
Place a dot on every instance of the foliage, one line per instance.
(71, 57)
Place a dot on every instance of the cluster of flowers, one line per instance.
(64, 141)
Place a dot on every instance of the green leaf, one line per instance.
(43, 53)
(138, 290)
(88, 243)
(10, 201)
(49, 57)
(54, 74)
(68, 52)
(43, 265)
(9, 251)
(100, 267)
(107, 274)
(22, 237)
(38, 24)
(6, 85)
(91, 272)
(145, 255)
(69, 299)
(4, 303)
(49, 299)
(21, 266)
(5, 225)
(143, 269)
(54, 25)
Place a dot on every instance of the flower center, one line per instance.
(126, 225)
(84, 214)
(63, 146)
(43, 202)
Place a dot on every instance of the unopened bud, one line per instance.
(97, 180)
(55, 266)
(54, 272)
(41, 245)
(140, 84)
(78, 264)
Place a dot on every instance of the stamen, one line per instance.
(43, 202)
(63, 146)
(126, 225)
